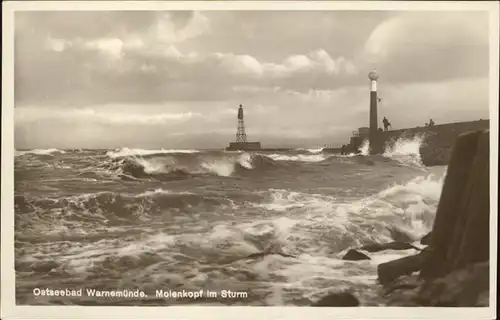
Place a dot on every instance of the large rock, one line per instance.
(338, 299)
(426, 240)
(403, 292)
(354, 255)
(403, 283)
(388, 246)
(467, 287)
(460, 235)
(394, 269)
(471, 240)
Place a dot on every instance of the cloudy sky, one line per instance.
(152, 79)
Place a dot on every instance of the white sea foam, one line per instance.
(159, 191)
(316, 229)
(414, 202)
(316, 224)
(222, 166)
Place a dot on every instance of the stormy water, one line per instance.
(188, 220)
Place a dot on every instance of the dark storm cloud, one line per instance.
(430, 46)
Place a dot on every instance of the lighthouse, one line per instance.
(373, 136)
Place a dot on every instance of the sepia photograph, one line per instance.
(249, 154)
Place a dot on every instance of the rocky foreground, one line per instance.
(452, 267)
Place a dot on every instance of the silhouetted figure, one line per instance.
(386, 123)
(342, 151)
(431, 123)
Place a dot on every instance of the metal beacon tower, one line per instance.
(241, 136)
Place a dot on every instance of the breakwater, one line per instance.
(437, 141)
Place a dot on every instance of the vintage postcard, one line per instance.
(240, 159)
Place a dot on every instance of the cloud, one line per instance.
(167, 59)
(28, 115)
(311, 64)
(140, 78)
(112, 47)
(57, 45)
(166, 30)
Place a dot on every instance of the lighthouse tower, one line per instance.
(241, 135)
(374, 143)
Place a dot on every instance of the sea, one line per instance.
(130, 223)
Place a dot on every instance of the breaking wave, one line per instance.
(95, 211)
(126, 152)
(182, 166)
(41, 152)
(408, 206)
(311, 150)
(299, 157)
(171, 167)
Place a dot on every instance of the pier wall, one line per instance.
(437, 140)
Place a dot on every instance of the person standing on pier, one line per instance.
(386, 123)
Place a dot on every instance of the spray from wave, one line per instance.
(364, 149)
(406, 150)
(226, 167)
